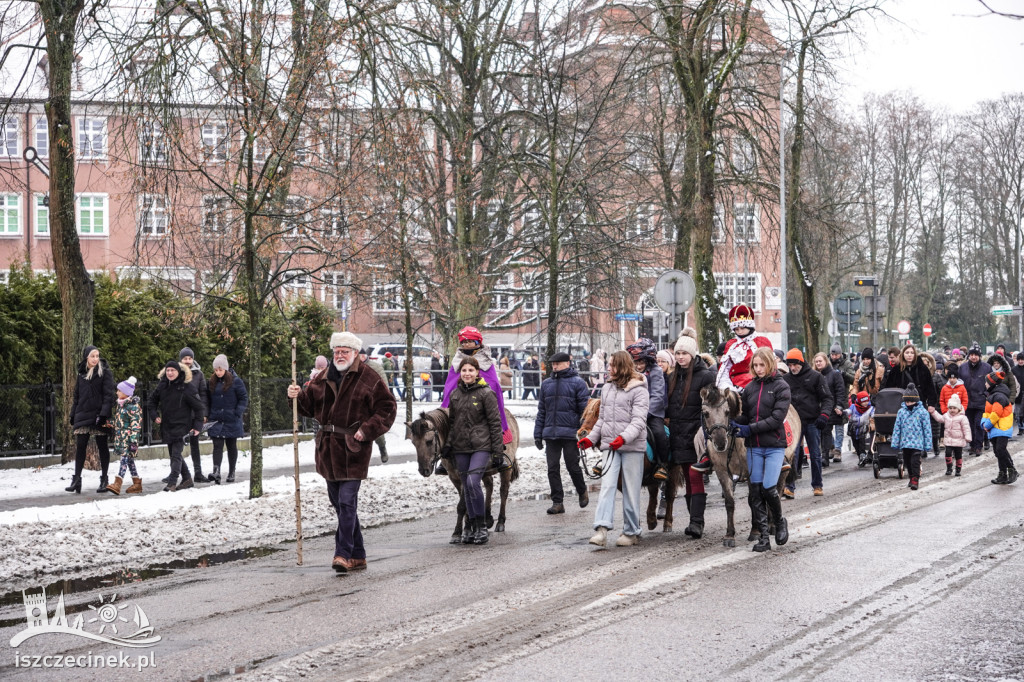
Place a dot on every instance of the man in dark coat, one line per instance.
(180, 411)
(848, 370)
(438, 374)
(187, 358)
(531, 377)
(973, 373)
(354, 407)
(563, 397)
(813, 402)
(837, 389)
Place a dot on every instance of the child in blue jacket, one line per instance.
(912, 433)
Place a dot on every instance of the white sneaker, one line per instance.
(627, 540)
(600, 537)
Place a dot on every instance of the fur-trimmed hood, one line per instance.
(482, 355)
(185, 372)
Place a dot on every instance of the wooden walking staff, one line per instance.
(295, 443)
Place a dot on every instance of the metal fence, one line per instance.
(30, 416)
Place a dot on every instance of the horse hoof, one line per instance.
(490, 521)
(666, 528)
(728, 542)
(651, 525)
(500, 528)
(752, 537)
(456, 539)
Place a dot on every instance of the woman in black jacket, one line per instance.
(683, 414)
(93, 400)
(474, 440)
(837, 387)
(911, 369)
(762, 422)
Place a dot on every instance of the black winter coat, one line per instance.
(1018, 373)
(837, 387)
(809, 394)
(475, 422)
(177, 404)
(974, 383)
(563, 397)
(202, 389)
(93, 397)
(918, 374)
(764, 406)
(438, 374)
(226, 405)
(683, 411)
(531, 374)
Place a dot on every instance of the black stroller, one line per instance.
(883, 456)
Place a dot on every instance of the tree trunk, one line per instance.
(77, 293)
(256, 400)
(710, 322)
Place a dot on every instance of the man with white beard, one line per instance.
(354, 407)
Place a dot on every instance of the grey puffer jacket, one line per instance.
(623, 413)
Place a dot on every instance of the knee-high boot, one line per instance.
(697, 503)
(774, 504)
(759, 514)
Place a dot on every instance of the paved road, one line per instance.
(877, 583)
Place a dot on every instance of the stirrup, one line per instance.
(660, 474)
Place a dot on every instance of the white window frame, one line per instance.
(734, 291)
(10, 214)
(92, 197)
(335, 290)
(303, 152)
(293, 224)
(501, 302)
(154, 215)
(746, 225)
(40, 207)
(9, 137)
(92, 138)
(297, 282)
(216, 140)
(335, 222)
(155, 152)
(744, 156)
(534, 300)
(41, 137)
(642, 220)
(386, 296)
(717, 225)
(218, 208)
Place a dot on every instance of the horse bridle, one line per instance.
(709, 444)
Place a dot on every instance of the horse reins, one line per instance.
(709, 443)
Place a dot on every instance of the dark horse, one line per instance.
(675, 472)
(429, 433)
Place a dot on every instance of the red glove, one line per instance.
(617, 443)
(585, 444)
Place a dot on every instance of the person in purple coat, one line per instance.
(471, 344)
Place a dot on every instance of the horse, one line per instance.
(729, 454)
(675, 472)
(429, 433)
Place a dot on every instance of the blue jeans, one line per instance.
(348, 541)
(765, 464)
(472, 492)
(812, 437)
(838, 437)
(632, 466)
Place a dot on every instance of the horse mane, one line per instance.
(734, 403)
(435, 419)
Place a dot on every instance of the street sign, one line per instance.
(903, 327)
(927, 329)
(865, 282)
(875, 306)
(627, 317)
(1004, 310)
(849, 306)
(904, 337)
(674, 292)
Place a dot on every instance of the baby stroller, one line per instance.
(883, 456)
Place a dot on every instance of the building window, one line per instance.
(501, 296)
(92, 214)
(9, 137)
(297, 282)
(293, 222)
(215, 214)
(643, 221)
(746, 226)
(302, 150)
(153, 215)
(42, 138)
(42, 214)
(152, 143)
(335, 223)
(215, 141)
(386, 298)
(743, 158)
(736, 288)
(92, 138)
(334, 290)
(10, 223)
(717, 226)
(534, 292)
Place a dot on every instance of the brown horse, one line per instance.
(729, 454)
(675, 473)
(429, 433)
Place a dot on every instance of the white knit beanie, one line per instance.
(688, 342)
(346, 340)
(954, 401)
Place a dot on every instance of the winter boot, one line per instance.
(774, 505)
(627, 540)
(468, 529)
(231, 476)
(215, 476)
(1011, 475)
(862, 459)
(913, 483)
(949, 466)
(704, 465)
(480, 535)
(584, 499)
(115, 487)
(136, 486)
(698, 501)
(383, 450)
(600, 537)
(186, 483)
(103, 485)
(837, 455)
(759, 516)
(556, 508)
(76, 485)
(1001, 478)
(958, 467)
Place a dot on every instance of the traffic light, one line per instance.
(865, 282)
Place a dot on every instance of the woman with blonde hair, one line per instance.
(621, 428)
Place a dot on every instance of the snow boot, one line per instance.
(186, 483)
(949, 466)
(627, 540)
(76, 485)
(698, 501)
(468, 529)
(1001, 478)
(136, 486)
(231, 477)
(383, 450)
(773, 503)
(913, 483)
(215, 476)
(759, 516)
(584, 499)
(166, 479)
(480, 533)
(1011, 475)
(103, 485)
(600, 537)
(115, 487)
(556, 508)
(958, 467)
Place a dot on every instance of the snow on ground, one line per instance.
(105, 533)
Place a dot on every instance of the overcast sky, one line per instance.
(947, 51)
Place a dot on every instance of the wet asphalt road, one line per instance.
(877, 583)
